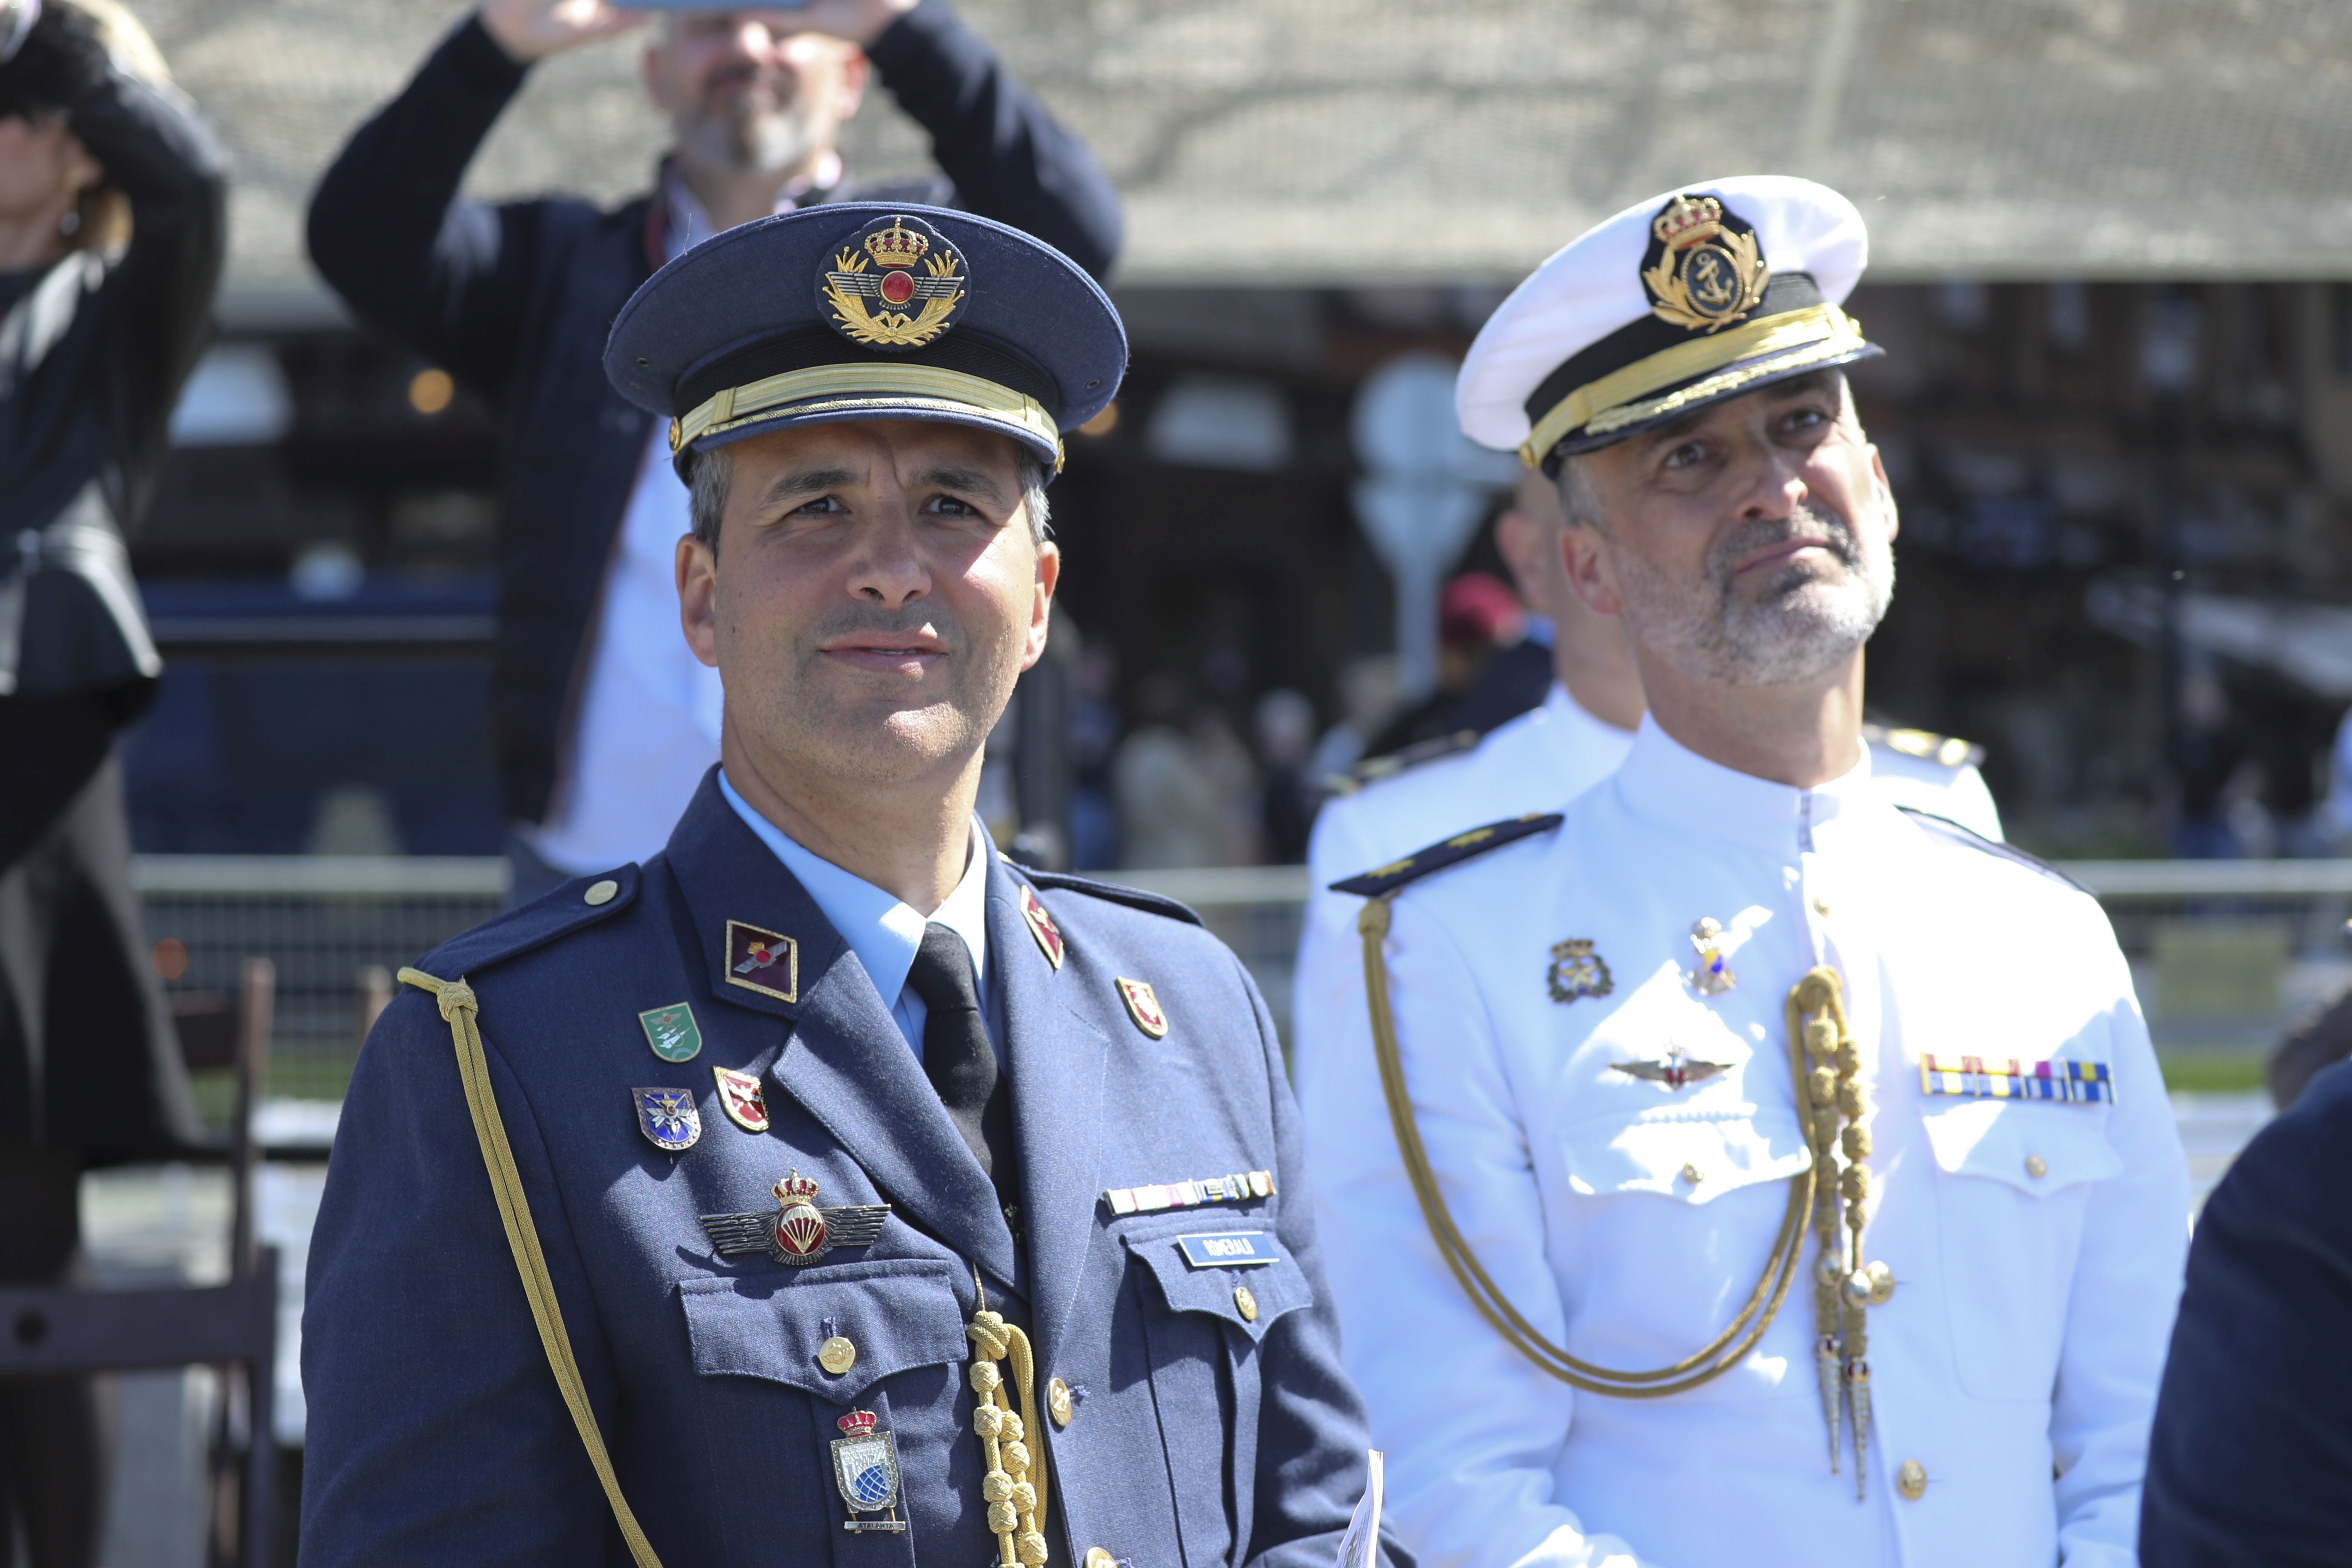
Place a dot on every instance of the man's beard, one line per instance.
(1798, 624)
(749, 132)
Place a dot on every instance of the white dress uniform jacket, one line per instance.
(2037, 1245)
(1538, 761)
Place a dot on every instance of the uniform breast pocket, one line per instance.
(1671, 1220)
(783, 1357)
(2014, 1190)
(1220, 1290)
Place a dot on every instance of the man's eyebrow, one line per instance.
(800, 481)
(956, 477)
(1805, 385)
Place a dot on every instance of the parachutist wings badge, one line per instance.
(1677, 1071)
(796, 1231)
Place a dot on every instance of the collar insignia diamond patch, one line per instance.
(1042, 926)
(767, 962)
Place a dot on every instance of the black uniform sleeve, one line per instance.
(159, 297)
(1008, 158)
(447, 278)
(2250, 1463)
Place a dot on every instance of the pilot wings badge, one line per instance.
(1677, 1071)
(898, 284)
(795, 1232)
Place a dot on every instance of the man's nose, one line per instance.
(1777, 485)
(890, 569)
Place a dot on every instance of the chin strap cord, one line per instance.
(460, 1011)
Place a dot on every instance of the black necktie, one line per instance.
(962, 1063)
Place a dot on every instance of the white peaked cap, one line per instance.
(1668, 306)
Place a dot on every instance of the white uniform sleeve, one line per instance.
(1972, 805)
(1472, 1430)
(2125, 1290)
(1330, 976)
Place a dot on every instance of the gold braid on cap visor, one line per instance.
(1778, 344)
(880, 391)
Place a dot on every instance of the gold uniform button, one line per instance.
(2036, 1166)
(837, 1355)
(1246, 1302)
(601, 892)
(1693, 1175)
(1057, 1402)
(1911, 1479)
(1097, 1558)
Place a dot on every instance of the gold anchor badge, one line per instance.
(1710, 273)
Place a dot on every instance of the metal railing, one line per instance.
(2226, 953)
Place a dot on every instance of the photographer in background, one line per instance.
(111, 199)
(604, 722)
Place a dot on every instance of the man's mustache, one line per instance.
(1807, 522)
(858, 621)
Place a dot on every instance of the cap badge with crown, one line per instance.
(896, 285)
(1705, 270)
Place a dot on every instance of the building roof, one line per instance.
(1363, 141)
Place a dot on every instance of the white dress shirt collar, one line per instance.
(1665, 783)
(690, 221)
(881, 929)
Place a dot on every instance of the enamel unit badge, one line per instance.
(1577, 971)
(1144, 1007)
(672, 1032)
(896, 285)
(667, 1118)
(1711, 975)
(866, 1467)
(741, 1098)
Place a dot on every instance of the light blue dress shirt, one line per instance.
(883, 931)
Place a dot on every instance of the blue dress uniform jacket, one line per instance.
(1210, 1427)
(2250, 1465)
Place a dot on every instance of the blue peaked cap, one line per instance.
(867, 311)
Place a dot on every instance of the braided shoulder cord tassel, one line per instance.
(1016, 1510)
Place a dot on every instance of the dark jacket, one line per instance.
(1211, 1421)
(2250, 1464)
(92, 354)
(516, 300)
(93, 351)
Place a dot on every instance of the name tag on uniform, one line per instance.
(2007, 1078)
(1229, 1250)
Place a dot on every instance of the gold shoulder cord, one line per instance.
(1014, 1486)
(1817, 994)
(458, 1009)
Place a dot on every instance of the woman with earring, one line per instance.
(112, 218)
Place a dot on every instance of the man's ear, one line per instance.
(1585, 555)
(649, 68)
(1886, 492)
(697, 598)
(855, 71)
(1041, 608)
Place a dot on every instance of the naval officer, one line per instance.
(1540, 760)
(1778, 1175)
(826, 1188)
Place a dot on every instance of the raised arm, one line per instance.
(167, 164)
(1007, 157)
(447, 278)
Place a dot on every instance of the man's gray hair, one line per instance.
(710, 474)
(1579, 501)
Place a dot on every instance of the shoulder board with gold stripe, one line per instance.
(1384, 879)
(1949, 751)
(1389, 765)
